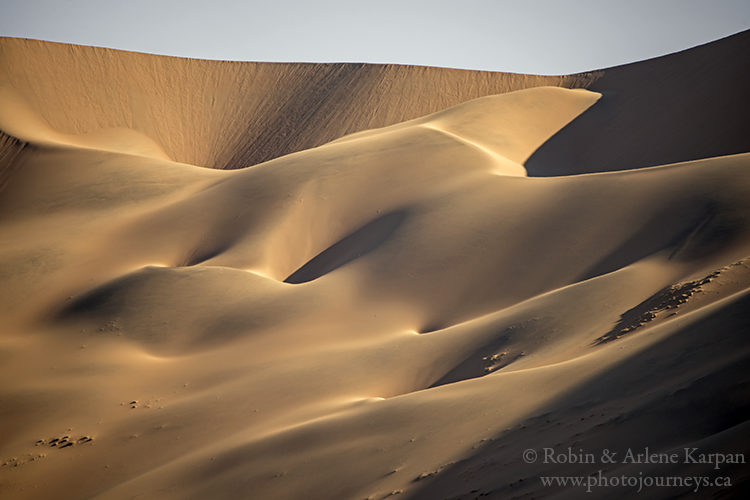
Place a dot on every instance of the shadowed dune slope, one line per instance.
(685, 106)
(395, 312)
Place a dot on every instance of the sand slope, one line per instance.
(231, 114)
(399, 312)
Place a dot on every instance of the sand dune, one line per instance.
(413, 282)
(229, 114)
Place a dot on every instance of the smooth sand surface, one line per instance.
(404, 290)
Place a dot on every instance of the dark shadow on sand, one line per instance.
(353, 246)
(685, 106)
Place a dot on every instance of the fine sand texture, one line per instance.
(393, 282)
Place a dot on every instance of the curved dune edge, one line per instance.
(18, 119)
(401, 311)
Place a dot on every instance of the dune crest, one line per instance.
(405, 290)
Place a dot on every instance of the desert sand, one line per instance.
(352, 281)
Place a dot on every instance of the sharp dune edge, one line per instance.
(420, 274)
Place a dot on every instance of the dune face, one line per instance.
(233, 115)
(421, 275)
(695, 103)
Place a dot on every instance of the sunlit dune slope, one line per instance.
(397, 312)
